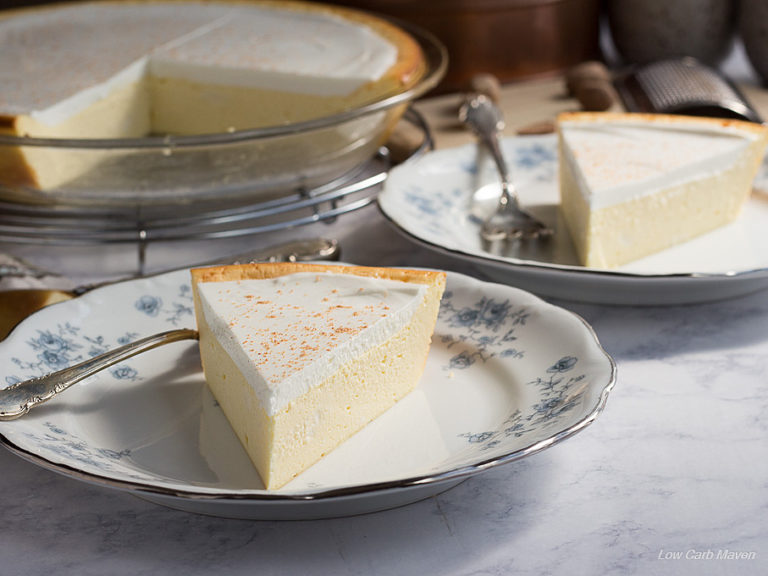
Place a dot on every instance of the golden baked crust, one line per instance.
(410, 65)
(642, 117)
(262, 270)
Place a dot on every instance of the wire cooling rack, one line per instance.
(82, 225)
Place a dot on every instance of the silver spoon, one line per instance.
(508, 221)
(15, 305)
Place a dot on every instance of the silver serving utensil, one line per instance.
(509, 221)
(296, 251)
(15, 305)
(17, 399)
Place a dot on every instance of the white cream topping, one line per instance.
(617, 161)
(299, 52)
(76, 103)
(56, 62)
(288, 334)
(61, 59)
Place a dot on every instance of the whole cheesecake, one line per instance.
(302, 356)
(632, 185)
(133, 68)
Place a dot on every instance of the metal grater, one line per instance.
(683, 86)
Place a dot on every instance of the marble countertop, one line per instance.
(671, 479)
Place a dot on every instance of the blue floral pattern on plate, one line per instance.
(66, 344)
(489, 342)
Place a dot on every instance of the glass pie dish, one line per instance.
(202, 172)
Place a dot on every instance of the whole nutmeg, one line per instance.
(589, 70)
(595, 95)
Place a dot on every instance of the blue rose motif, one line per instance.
(494, 313)
(114, 454)
(517, 429)
(563, 365)
(547, 406)
(512, 353)
(468, 166)
(461, 361)
(534, 156)
(124, 373)
(422, 203)
(486, 341)
(127, 338)
(51, 342)
(55, 429)
(54, 359)
(477, 438)
(149, 305)
(467, 316)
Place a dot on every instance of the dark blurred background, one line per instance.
(524, 39)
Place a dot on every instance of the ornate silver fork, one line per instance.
(19, 398)
(508, 221)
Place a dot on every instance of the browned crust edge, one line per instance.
(608, 117)
(260, 271)
(408, 69)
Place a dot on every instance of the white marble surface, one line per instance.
(673, 473)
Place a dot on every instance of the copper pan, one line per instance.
(512, 39)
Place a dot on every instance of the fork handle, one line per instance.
(19, 398)
(487, 126)
(509, 193)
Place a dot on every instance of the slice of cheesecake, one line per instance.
(132, 68)
(634, 184)
(302, 356)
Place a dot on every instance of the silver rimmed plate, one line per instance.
(508, 375)
(441, 199)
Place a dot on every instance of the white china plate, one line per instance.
(508, 375)
(434, 201)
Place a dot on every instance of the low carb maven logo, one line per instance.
(708, 554)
